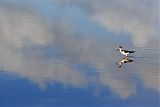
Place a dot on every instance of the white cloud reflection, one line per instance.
(24, 29)
(21, 29)
(139, 18)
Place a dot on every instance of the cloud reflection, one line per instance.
(22, 29)
(139, 18)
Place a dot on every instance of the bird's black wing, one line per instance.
(131, 51)
(128, 51)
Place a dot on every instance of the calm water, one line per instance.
(62, 53)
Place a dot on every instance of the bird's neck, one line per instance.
(120, 49)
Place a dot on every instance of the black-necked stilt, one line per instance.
(124, 60)
(124, 52)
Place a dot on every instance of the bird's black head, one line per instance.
(120, 46)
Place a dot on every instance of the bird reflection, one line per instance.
(123, 61)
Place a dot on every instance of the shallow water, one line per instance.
(58, 53)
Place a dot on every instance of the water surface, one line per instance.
(59, 53)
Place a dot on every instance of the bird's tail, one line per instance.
(132, 51)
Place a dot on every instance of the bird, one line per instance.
(124, 60)
(124, 52)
